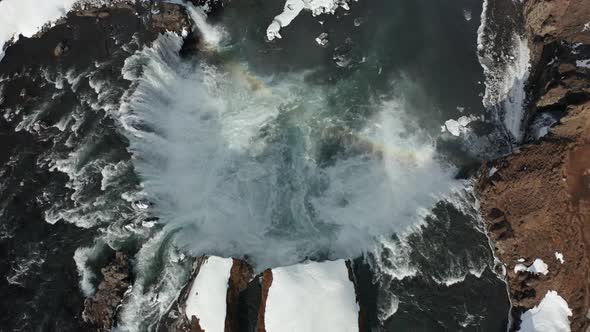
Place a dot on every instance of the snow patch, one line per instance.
(559, 257)
(207, 297)
(27, 17)
(538, 267)
(551, 315)
(520, 268)
(320, 294)
(583, 63)
(322, 39)
(492, 171)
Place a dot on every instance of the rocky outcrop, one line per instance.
(265, 283)
(240, 276)
(169, 17)
(161, 16)
(548, 22)
(536, 201)
(100, 309)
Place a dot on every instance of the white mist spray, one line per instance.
(211, 36)
(233, 164)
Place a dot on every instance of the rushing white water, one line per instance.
(506, 75)
(161, 273)
(512, 88)
(232, 159)
(211, 35)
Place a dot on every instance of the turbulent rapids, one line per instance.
(280, 153)
(273, 170)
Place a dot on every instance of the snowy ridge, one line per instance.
(458, 127)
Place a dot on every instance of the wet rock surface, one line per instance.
(536, 200)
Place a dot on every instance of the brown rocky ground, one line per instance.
(538, 201)
(265, 282)
(240, 275)
(100, 310)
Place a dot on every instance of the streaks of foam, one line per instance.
(506, 64)
(237, 170)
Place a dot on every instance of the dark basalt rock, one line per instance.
(76, 42)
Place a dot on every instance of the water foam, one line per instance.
(505, 59)
(233, 160)
(211, 35)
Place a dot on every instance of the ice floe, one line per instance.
(459, 126)
(294, 7)
(467, 14)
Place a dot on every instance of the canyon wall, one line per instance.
(536, 201)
